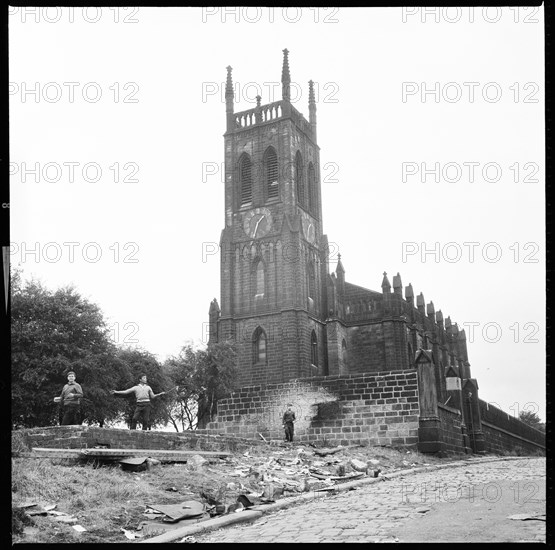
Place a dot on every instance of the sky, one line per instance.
(432, 137)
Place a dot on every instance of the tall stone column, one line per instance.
(473, 417)
(429, 438)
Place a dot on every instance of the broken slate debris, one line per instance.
(257, 481)
(182, 510)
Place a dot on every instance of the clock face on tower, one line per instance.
(257, 222)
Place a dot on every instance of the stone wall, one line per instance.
(83, 437)
(450, 430)
(369, 408)
(503, 432)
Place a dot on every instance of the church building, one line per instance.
(361, 366)
(289, 316)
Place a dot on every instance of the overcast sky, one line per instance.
(431, 128)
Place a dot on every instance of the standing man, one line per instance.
(70, 400)
(288, 423)
(143, 394)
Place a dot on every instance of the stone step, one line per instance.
(116, 454)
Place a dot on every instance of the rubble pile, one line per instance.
(207, 487)
(259, 480)
(249, 480)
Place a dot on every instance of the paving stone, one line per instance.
(376, 512)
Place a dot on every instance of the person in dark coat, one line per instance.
(70, 401)
(288, 422)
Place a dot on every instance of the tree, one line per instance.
(183, 410)
(216, 378)
(98, 405)
(203, 376)
(53, 332)
(532, 419)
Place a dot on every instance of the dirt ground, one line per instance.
(116, 505)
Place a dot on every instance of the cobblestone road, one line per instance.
(461, 504)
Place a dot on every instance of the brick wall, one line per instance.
(369, 408)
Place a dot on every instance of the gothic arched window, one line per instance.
(299, 178)
(311, 280)
(313, 349)
(259, 346)
(245, 178)
(271, 173)
(311, 188)
(259, 278)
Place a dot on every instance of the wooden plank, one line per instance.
(153, 453)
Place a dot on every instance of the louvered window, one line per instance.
(299, 179)
(245, 177)
(311, 188)
(271, 169)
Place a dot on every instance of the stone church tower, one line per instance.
(273, 250)
(288, 315)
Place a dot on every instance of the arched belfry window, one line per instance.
(259, 354)
(311, 188)
(245, 178)
(299, 178)
(411, 357)
(313, 349)
(271, 173)
(344, 351)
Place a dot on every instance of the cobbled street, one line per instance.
(469, 503)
